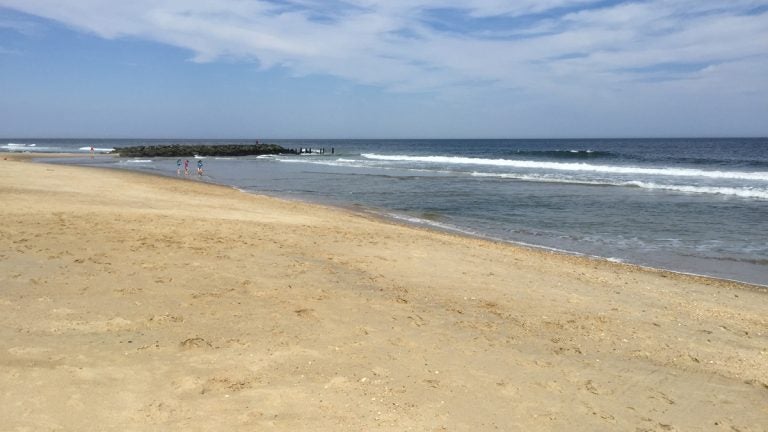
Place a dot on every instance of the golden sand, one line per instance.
(130, 302)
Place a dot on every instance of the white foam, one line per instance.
(578, 167)
(446, 227)
(25, 148)
(743, 192)
(543, 179)
(139, 161)
(420, 221)
(740, 192)
(97, 149)
(348, 163)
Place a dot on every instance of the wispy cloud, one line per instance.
(403, 45)
(23, 27)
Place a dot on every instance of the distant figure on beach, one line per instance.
(91, 152)
(186, 167)
(199, 167)
(178, 166)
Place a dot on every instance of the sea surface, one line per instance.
(688, 205)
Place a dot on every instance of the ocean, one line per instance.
(688, 205)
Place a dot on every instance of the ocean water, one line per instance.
(689, 205)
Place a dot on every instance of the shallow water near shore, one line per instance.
(697, 206)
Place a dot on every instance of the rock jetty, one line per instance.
(201, 150)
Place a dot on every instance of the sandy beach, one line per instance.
(131, 302)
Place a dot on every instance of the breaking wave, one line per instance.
(574, 167)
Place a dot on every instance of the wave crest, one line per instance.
(743, 192)
(575, 167)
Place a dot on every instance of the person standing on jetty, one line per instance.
(200, 167)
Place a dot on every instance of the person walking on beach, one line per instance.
(91, 152)
(199, 167)
(186, 167)
(178, 167)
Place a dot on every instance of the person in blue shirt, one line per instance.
(200, 167)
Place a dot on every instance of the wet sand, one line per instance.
(130, 302)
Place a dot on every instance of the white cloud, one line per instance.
(391, 44)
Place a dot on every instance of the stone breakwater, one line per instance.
(201, 150)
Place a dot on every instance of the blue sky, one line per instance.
(383, 69)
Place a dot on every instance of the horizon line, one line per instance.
(388, 138)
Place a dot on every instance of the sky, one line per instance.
(383, 68)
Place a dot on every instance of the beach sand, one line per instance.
(131, 302)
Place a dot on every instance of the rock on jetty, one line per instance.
(201, 150)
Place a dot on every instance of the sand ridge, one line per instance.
(132, 302)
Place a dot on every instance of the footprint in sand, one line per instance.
(195, 342)
(304, 313)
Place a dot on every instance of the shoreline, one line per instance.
(547, 250)
(390, 218)
(136, 302)
(563, 252)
